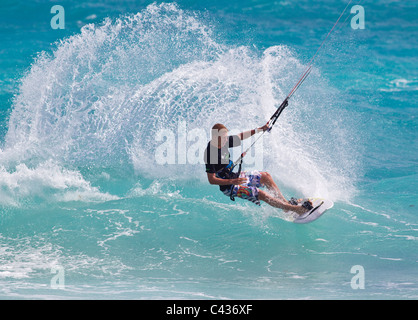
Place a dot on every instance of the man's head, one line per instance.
(219, 135)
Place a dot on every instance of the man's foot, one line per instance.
(301, 209)
(294, 201)
(307, 204)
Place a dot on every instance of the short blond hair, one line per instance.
(217, 128)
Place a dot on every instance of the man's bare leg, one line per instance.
(278, 203)
(268, 181)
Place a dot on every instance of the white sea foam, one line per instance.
(47, 181)
(401, 84)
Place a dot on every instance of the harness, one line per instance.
(226, 173)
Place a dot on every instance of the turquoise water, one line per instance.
(101, 128)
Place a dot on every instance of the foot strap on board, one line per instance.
(307, 205)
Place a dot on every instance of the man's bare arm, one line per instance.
(249, 133)
(224, 182)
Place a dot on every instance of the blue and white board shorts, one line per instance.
(248, 190)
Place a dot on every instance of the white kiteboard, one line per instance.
(319, 207)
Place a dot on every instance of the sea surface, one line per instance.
(103, 124)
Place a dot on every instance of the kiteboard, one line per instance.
(319, 205)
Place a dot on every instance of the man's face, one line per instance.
(221, 135)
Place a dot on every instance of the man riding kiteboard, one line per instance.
(243, 184)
